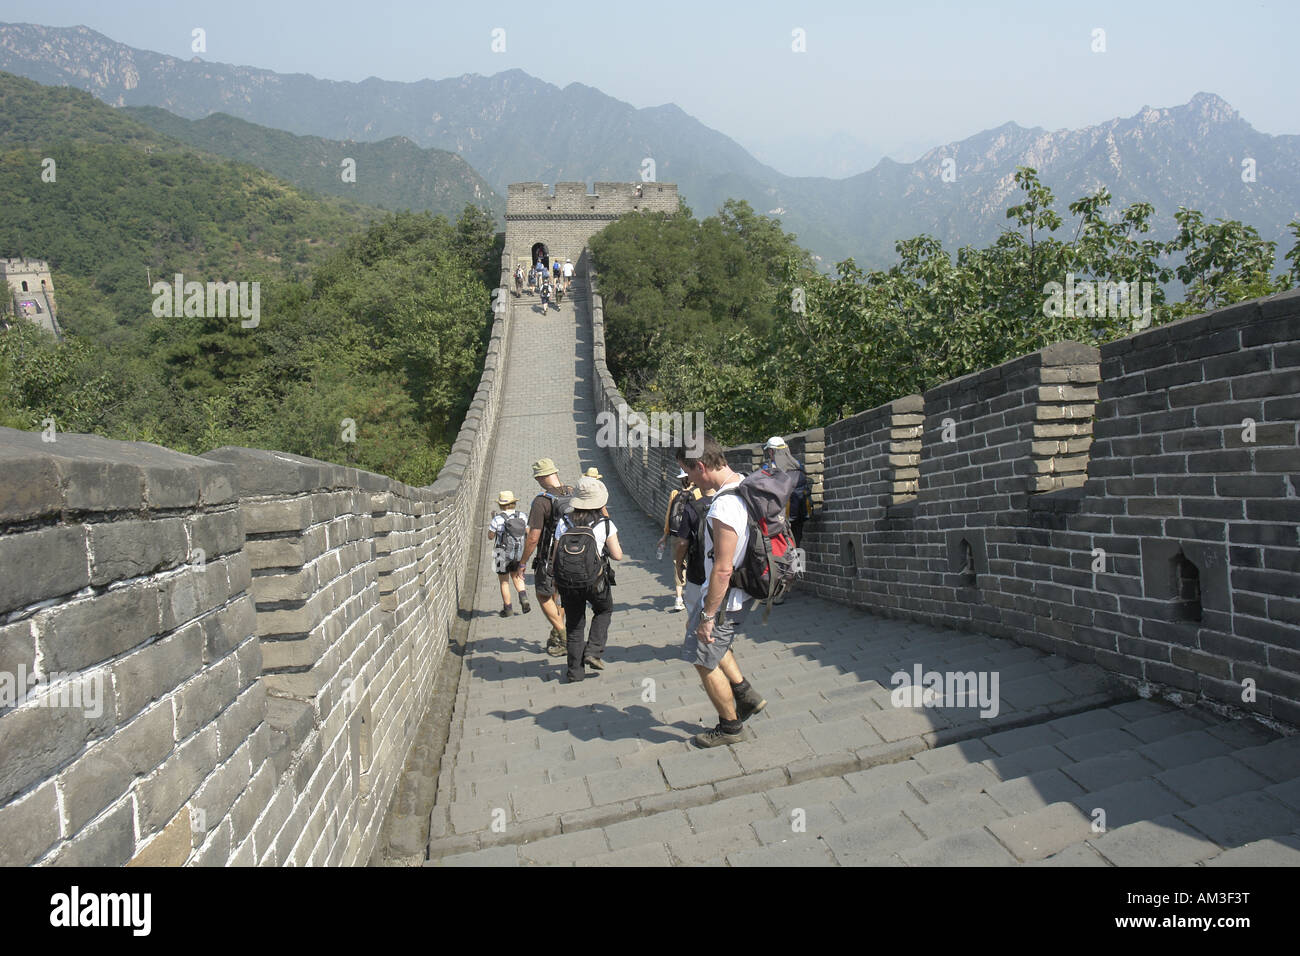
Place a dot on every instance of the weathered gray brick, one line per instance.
(53, 562)
(105, 772)
(201, 699)
(109, 841)
(216, 532)
(228, 628)
(194, 592)
(162, 793)
(17, 652)
(39, 739)
(1033, 836)
(687, 770)
(565, 848)
(129, 549)
(157, 669)
(77, 635)
(218, 794)
(30, 826)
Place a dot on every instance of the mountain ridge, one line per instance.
(513, 127)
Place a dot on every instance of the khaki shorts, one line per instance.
(709, 656)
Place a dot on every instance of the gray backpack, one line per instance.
(510, 540)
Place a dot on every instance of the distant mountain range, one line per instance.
(512, 127)
(394, 173)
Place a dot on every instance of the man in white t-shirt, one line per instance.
(568, 274)
(713, 620)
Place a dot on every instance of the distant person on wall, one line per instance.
(712, 623)
(546, 296)
(555, 271)
(568, 274)
(532, 280)
(508, 530)
(593, 472)
(519, 280)
(586, 540)
(678, 502)
(543, 515)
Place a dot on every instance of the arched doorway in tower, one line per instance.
(540, 255)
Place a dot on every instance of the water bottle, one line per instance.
(661, 552)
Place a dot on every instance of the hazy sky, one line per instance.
(875, 78)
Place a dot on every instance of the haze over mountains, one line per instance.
(513, 127)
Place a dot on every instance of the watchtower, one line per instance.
(547, 225)
(31, 291)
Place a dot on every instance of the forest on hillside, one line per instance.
(376, 319)
(728, 317)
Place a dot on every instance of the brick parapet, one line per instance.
(264, 629)
(1134, 506)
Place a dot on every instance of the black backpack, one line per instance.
(695, 543)
(579, 563)
(680, 501)
(561, 505)
(771, 563)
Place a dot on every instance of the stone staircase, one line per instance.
(1074, 769)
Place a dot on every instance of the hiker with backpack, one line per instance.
(546, 296)
(713, 620)
(586, 540)
(688, 545)
(778, 457)
(678, 503)
(507, 531)
(519, 280)
(547, 508)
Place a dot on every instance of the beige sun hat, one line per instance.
(593, 473)
(506, 498)
(543, 467)
(591, 494)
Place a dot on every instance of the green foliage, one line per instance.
(726, 316)
(385, 326)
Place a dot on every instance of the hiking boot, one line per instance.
(595, 663)
(749, 703)
(679, 606)
(523, 603)
(717, 737)
(557, 646)
(506, 611)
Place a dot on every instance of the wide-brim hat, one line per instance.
(593, 473)
(543, 467)
(776, 441)
(591, 494)
(506, 498)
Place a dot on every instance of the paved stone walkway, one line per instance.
(1073, 769)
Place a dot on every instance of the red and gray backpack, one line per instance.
(771, 563)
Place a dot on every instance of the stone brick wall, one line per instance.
(565, 219)
(1111, 505)
(263, 630)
